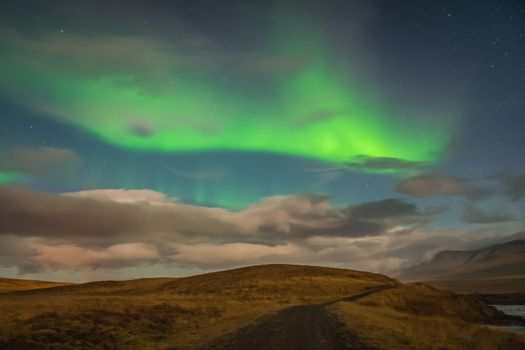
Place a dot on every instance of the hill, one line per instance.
(13, 284)
(183, 312)
(505, 260)
(421, 316)
(194, 312)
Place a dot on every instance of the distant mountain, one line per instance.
(496, 261)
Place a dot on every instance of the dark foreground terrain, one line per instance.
(298, 327)
(307, 327)
(259, 307)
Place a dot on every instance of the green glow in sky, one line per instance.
(309, 109)
(7, 177)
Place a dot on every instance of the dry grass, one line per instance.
(188, 313)
(166, 313)
(13, 285)
(422, 317)
(486, 286)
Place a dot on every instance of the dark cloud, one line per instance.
(429, 185)
(42, 161)
(472, 214)
(142, 128)
(114, 214)
(384, 164)
(383, 209)
(27, 213)
(372, 218)
(113, 229)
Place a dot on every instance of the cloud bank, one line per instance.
(429, 185)
(50, 162)
(115, 228)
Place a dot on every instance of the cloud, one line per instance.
(234, 254)
(71, 256)
(96, 216)
(430, 185)
(142, 128)
(41, 162)
(383, 208)
(514, 186)
(140, 60)
(384, 164)
(307, 215)
(146, 59)
(114, 228)
(104, 214)
(472, 214)
(123, 196)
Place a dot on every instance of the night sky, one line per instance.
(146, 138)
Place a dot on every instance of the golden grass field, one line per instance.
(165, 313)
(189, 313)
(12, 285)
(421, 316)
(486, 286)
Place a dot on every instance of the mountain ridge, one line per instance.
(496, 261)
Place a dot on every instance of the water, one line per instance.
(514, 310)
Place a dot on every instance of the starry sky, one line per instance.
(147, 138)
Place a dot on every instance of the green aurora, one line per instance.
(307, 106)
(7, 177)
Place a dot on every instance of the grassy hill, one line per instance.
(165, 313)
(486, 286)
(13, 285)
(421, 316)
(188, 313)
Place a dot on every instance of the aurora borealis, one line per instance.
(204, 106)
(283, 111)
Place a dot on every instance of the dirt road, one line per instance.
(302, 327)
